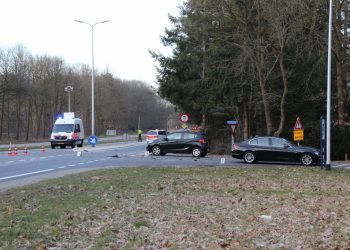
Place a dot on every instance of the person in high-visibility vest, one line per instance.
(140, 133)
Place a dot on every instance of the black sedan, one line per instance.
(180, 142)
(269, 148)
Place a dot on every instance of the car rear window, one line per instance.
(152, 132)
(162, 132)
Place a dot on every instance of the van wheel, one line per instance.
(81, 144)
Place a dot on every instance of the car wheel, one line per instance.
(156, 150)
(197, 152)
(306, 159)
(63, 146)
(249, 157)
(53, 146)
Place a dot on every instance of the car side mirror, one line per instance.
(285, 146)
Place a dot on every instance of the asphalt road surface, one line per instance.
(39, 165)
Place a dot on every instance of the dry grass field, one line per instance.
(181, 208)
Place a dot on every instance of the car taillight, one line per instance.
(202, 141)
(235, 147)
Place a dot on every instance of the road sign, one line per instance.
(93, 140)
(184, 126)
(184, 118)
(298, 125)
(298, 135)
(298, 131)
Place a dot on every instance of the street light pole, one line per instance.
(92, 73)
(68, 89)
(329, 65)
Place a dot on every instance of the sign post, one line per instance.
(322, 142)
(233, 125)
(298, 131)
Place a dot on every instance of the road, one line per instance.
(39, 165)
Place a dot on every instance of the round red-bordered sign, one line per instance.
(184, 118)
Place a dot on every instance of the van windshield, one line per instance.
(68, 128)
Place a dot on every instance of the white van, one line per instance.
(67, 131)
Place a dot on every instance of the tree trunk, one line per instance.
(245, 122)
(340, 93)
(266, 103)
(283, 99)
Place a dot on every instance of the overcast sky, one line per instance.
(48, 27)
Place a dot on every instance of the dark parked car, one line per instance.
(269, 148)
(180, 142)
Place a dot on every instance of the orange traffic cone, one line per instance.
(9, 151)
(42, 149)
(25, 152)
(15, 152)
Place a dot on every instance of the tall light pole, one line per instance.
(92, 74)
(68, 89)
(329, 67)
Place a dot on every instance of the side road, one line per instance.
(124, 137)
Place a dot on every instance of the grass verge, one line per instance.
(181, 208)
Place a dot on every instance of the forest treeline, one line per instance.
(260, 62)
(32, 95)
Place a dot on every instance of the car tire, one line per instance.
(249, 157)
(306, 159)
(53, 146)
(155, 150)
(63, 146)
(197, 152)
(81, 144)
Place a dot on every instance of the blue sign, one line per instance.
(232, 122)
(93, 140)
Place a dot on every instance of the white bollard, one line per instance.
(222, 160)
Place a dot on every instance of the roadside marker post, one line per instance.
(42, 149)
(25, 152)
(15, 152)
(9, 151)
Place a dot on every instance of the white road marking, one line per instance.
(25, 174)
(73, 165)
(62, 167)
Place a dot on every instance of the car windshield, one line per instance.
(67, 128)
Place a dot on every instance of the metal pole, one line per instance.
(92, 74)
(68, 101)
(329, 65)
(92, 83)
